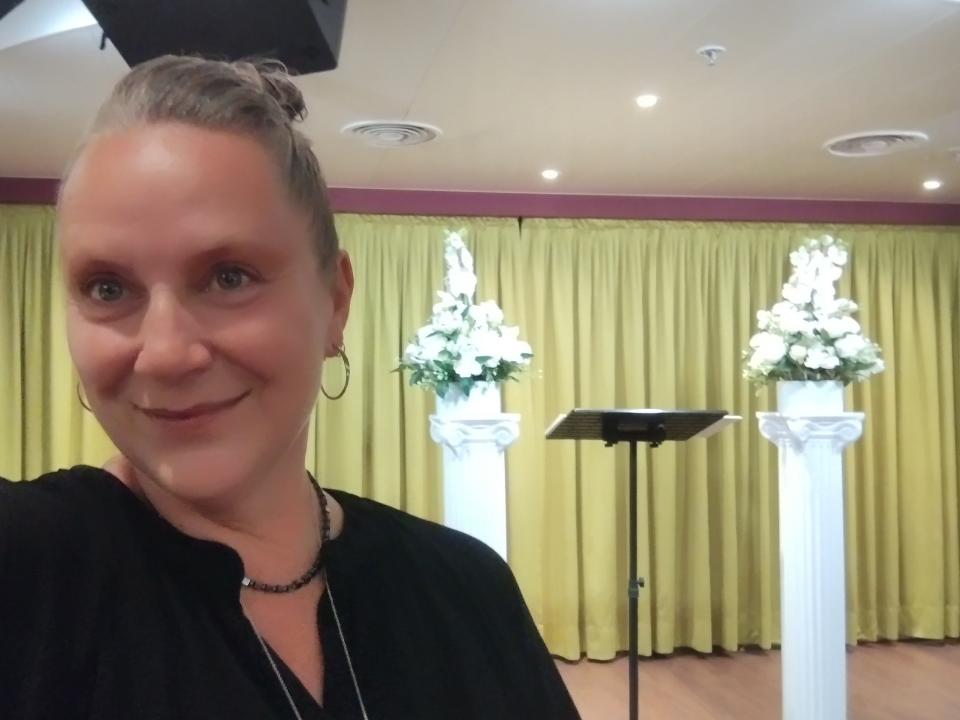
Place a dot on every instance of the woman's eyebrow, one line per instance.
(231, 247)
(90, 264)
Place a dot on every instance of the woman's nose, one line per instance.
(171, 340)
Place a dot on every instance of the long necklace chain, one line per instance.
(276, 671)
(343, 644)
(346, 650)
(297, 584)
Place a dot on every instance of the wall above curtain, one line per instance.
(43, 191)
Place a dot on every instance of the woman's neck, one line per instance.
(272, 521)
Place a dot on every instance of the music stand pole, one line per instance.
(633, 426)
(633, 589)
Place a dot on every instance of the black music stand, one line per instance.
(636, 426)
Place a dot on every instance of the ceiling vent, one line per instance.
(872, 144)
(387, 134)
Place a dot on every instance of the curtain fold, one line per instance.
(619, 314)
(42, 425)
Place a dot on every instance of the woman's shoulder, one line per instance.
(366, 515)
(58, 507)
(65, 488)
(383, 535)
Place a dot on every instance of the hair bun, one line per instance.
(277, 82)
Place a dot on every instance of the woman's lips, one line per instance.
(194, 411)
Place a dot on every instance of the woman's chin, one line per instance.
(199, 477)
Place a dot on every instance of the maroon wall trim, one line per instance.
(33, 191)
(435, 202)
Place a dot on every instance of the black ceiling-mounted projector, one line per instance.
(303, 34)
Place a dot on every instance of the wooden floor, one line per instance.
(887, 681)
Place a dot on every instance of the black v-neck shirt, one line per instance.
(108, 611)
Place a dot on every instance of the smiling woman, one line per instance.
(195, 575)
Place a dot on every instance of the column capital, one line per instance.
(456, 434)
(796, 430)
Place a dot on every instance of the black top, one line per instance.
(108, 611)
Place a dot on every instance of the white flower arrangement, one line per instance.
(811, 334)
(463, 343)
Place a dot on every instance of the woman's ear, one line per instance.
(341, 293)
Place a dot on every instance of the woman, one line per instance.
(205, 574)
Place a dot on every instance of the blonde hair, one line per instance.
(257, 99)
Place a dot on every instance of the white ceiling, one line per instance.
(520, 85)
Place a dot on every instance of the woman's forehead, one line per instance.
(174, 184)
(151, 165)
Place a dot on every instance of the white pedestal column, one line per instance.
(474, 435)
(812, 593)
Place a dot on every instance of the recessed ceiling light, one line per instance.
(932, 184)
(647, 101)
(550, 174)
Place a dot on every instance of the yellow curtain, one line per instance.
(375, 441)
(655, 314)
(42, 425)
(619, 314)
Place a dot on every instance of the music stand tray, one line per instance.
(633, 426)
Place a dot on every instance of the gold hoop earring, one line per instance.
(80, 398)
(341, 353)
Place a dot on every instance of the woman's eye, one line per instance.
(231, 278)
(107, 291)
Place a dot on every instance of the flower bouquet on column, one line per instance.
(810, 335)
(464, 353)
(465, 350)
(811, 346)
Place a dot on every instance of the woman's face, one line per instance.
(198, 317)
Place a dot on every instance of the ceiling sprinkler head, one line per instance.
(711, 53)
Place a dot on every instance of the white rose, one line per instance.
(837, 327)
(763, 319)
(477, 314)
(794, 322)
(798, 294)
(821, 358)
(798, 353)
(467, 366)
(513, 348)
(768, 348)
(824, 308)
(517, 351)
(445, 301)
(461, 282)
(843, 305)
(837, 255)
(509, 331)
(755, 362)
(487, 344)
(494, 314)
(431, 347)
(850, 346)
(447, 321)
